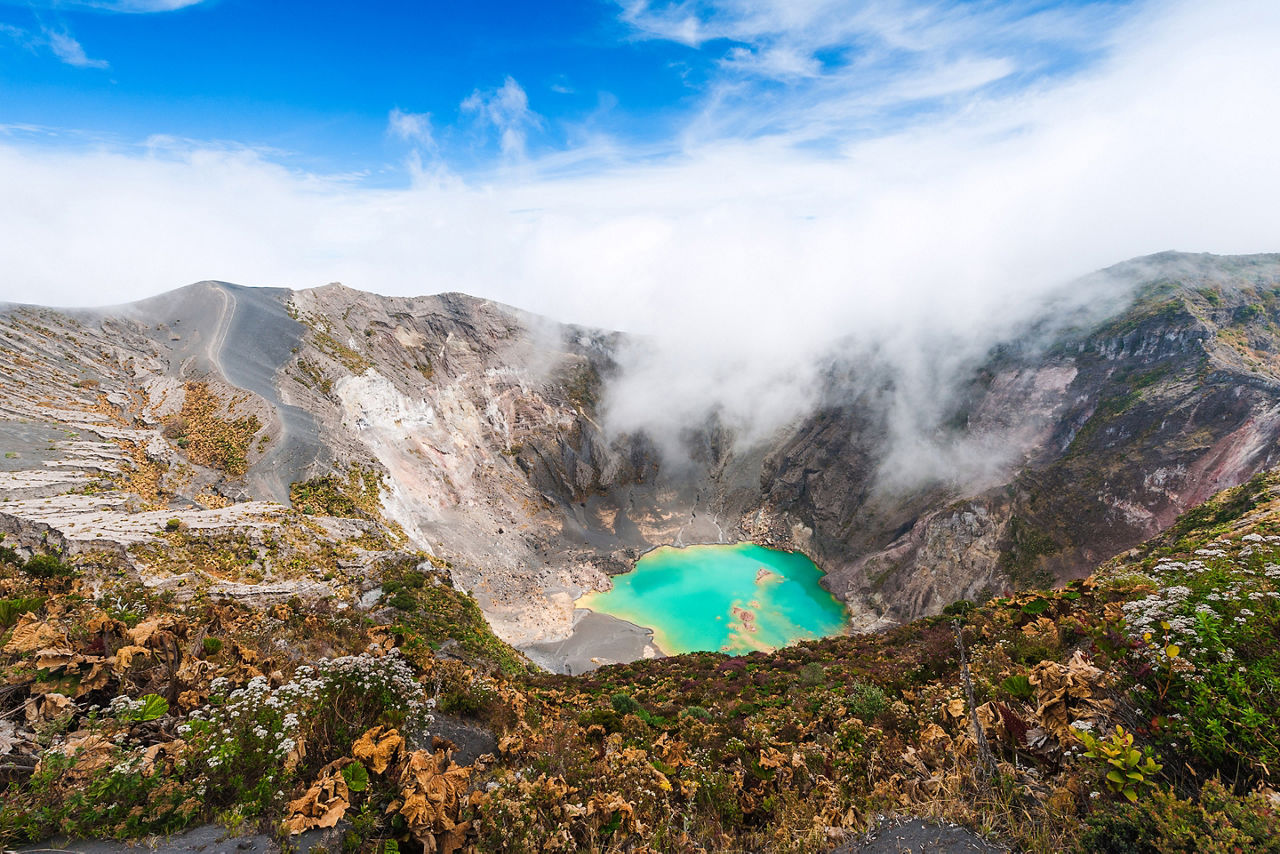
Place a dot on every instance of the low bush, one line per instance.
(47, 566)
(1216, 822)
(865, 700)
(624, 704)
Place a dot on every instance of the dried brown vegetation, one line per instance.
(786, 751)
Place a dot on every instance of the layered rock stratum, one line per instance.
(315, 434)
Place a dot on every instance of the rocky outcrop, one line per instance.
(1111, 430)
(475, 427)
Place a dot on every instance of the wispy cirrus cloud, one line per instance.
(129, 6)
(65, 47)
(20, 35)
(505, 110)
(60, 43)
(862, 65)
(142, 5)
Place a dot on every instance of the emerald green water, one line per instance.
(732, 599)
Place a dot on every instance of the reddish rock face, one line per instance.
(1112, 431)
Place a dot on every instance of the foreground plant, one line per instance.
(1130, 770)
(142, 715)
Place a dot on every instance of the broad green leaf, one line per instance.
(357, 777)
(153, 706)
(1035, 607)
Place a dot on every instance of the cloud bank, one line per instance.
(747, 253)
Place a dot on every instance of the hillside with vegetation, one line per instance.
(485, 436)
(1131, 711)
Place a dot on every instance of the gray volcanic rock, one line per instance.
(245, 336)
(1113, 428)
(479, 426)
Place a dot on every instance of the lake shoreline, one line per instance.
(596, 639)
(731, 598)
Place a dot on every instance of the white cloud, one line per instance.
(779, 62)
(851, 64)
(60, 43)
(678, 22)
(20, 35)
(132, 6)
(411, 127)
(506, 110)
(143, 5)
(748, 255)
(67, 49)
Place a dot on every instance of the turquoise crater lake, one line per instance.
(735, 599)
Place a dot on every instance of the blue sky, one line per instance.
(318, 79)
(318, 83)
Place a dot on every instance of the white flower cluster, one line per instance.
(266, 720)
(1151, 614)
(390, 674)
(1206, 603)
(124, 707)
(252, 714)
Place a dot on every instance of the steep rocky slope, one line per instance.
(1114, 429)
(470, 432)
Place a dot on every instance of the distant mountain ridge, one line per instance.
(480, 425)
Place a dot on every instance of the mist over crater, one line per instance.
(916, 464)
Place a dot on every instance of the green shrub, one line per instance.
(624, 704)
(1217, 822)
(959, 608)
(607, 719)
(48, 567)
(865, 700)
(1203, 657)
(243, 743)
(212, 646)
(12, 609)
(1130, 769)
(118, 800)
(461, 702)
(402, 601)
(811, 674)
